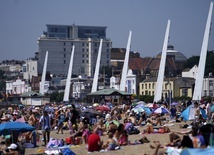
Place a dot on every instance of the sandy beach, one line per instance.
(138, 149)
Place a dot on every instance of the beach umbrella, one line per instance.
(151, 105)
(103, 108)
(138, 109)
(161, 110)
(9, 127)
(140, 105)
(141, 102)
(142, 109)
(147, 111)
(134, 104)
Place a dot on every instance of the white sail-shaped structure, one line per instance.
(200, 73)
(125, 65)
(68, 81)
(42, 86)
(159, 84)
(96, 73)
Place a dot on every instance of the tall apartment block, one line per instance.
(58, 41)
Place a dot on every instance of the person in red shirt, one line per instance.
(94, 142)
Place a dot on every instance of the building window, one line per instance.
(87, 55)
(205, 93)
(64, 49)
(142, 86)
(149, 87)
(83, 44)
(211, 83)
(107, 56)
(87, 44)
(107, 62)
(83, 55)
(166, 85)
(83, 50)
(83, 61)
(153, 93)
(64, 43)
(142, 92)
(95, 44)
(87, 50)
(145, 86)
(95, 50)
(211, 93)
(86, 61)
(146, 92)
(153, 86)
(72, 44)
(64, 61)
(64, 55)
(33, 68)
(107, 50)
(107, 45)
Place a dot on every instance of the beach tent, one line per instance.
(189, 113)
(194, 151)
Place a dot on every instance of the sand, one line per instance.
(138, 149)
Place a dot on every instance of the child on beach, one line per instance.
(123, 139)
(110, 144)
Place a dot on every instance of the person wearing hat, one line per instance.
(11, 150)
(110, 124)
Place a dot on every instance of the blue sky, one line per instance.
(23, 21)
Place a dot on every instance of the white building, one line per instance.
(46, 86)
(190, 72)
(29, 69)
(11, 68)
(17, 87)
(79, 86)
(208, 88)
(130, 83)
(58, 41)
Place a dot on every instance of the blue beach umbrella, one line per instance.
(138, 109)
(9, 127)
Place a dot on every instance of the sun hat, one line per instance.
(107, 116)
(12, 146)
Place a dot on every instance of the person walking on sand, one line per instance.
(45, 122)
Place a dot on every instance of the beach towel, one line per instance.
(67, 151)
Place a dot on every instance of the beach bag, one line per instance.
(73, 141)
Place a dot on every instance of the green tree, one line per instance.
(2, 80)
(146, 98)
(53, 96)
(194, 60)
(60, 96)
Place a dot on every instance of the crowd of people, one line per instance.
(118, 123)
